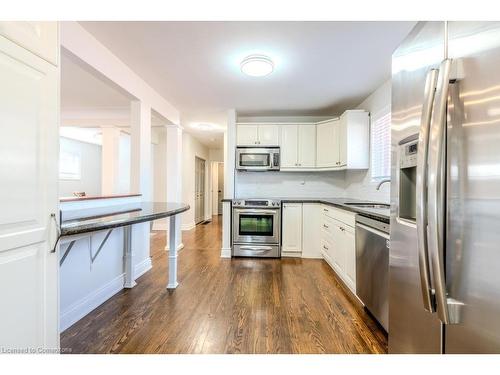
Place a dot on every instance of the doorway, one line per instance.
(220, 187)
(199, 190)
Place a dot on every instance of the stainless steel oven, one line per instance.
(258, 159)
(256, 227)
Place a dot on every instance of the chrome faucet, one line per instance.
(382, 182)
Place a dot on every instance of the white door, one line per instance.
(288, 148)
(29, 151)
(199, 190)
(327, 152)
(269, 135)
(307, 146)
(247, 135)
(292, 228)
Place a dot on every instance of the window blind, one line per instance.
(381, 145)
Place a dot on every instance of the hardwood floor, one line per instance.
(228, 306)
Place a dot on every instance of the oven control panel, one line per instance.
(257, 203)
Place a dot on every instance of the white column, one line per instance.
(140, 171)
(174, 178)
(229, 154)
(229, 160)
(110, 159)
(140, 149)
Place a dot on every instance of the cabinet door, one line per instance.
(269, 135)
(349, 245)
(338, 254)
(35, 36)
(342, 136)
(247, 135)
(288, 149)
(311, 230)
(327, 143)
(307, 146)
(292, 227)
(29, 151)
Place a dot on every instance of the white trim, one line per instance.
(88, 303)
(188, 226)
(179, 247)
(291, 254)
(225, 252)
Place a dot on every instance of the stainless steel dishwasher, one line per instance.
(372, 267)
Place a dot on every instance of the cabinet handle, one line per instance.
(325, 247)
(325, 209)
(326, 226)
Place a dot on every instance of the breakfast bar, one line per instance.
(106, 218)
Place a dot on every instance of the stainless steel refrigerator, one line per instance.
(445, 190)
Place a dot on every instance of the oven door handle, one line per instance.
(257, 249)
(247, 211)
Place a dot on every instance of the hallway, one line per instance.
(228, 306)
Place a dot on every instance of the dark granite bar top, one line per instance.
(94, 219)
(382, 214)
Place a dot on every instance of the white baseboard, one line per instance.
(188, 226)
(88, 303)
(143, 267)
(96, 298)
(225, 252)
(179, 247)
(290, 254)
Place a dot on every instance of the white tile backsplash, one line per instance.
(289, 184)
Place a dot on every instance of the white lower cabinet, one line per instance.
(291, 242)
(311, 231)
(338, 243)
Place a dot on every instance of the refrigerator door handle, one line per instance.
(421, 191)
(436, 185)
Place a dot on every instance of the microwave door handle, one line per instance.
(437, 195)
(421, 191)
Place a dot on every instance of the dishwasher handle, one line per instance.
(374, 230)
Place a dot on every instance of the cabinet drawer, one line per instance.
(348, 218)
(327, 226)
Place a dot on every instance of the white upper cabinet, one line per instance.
(307, 146)
(354, 135)
(35, 36)
(257, 135)
(298, 147)
(269, 135)
(344, 143)
(289, 149)
(327, 144)
(247, 135)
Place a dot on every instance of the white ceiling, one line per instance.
(322, 68)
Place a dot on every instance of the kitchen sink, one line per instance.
(368, 205)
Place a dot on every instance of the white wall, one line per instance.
(358, 184)
(191, 148)
(90, 181)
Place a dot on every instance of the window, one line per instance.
(69, 166)
(381, 145)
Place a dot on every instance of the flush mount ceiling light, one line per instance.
(257, 65)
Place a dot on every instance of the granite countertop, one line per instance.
(99, 218)
(382, 214)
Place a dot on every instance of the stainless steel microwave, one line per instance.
(258, 158)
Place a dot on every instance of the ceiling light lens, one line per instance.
(257, 66)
